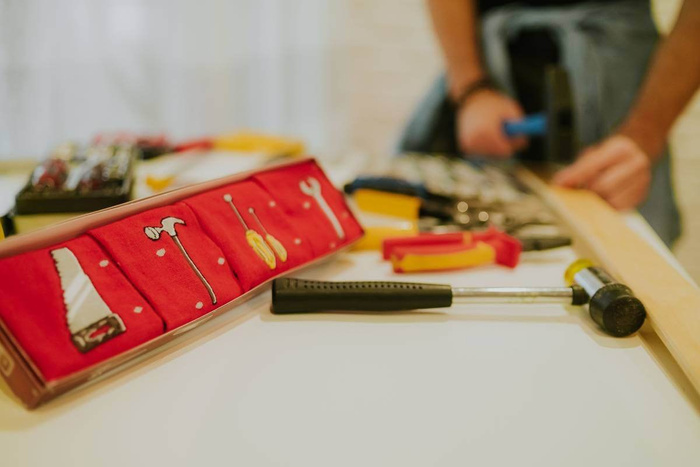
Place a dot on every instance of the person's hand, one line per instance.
(480, 125)
(616, 169)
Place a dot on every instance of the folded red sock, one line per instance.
(167, 256)
(266, 246)
(69, 307)
(315, 206)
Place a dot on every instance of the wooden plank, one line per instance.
(671, 299)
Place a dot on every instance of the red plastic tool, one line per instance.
(507, 248)
(434, 252)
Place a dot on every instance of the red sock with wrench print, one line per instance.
(314, 205)
(252, 230)
(70, 307)
(167, 256)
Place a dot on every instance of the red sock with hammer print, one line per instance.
(252, 230)
(52, 296)
(314, 205)
(167, 256)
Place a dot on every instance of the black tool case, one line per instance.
(31, 200)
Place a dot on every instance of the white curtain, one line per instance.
(72, 68)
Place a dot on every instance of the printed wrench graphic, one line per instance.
(312, 187)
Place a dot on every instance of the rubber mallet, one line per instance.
(305, 296)
(611, 304)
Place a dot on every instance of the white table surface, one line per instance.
(473, 385)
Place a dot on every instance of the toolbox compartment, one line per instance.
(93, 295)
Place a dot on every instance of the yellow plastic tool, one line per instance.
(391, 204)
(375, 235)
(170, 166)
(158, 184)
(481, 253)
(245, 141)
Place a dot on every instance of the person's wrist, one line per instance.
(647, 137)
(459, 78)
(463, 95)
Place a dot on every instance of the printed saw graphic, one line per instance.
(90, 320)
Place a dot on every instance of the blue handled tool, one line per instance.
(553, 130)
(531, 125)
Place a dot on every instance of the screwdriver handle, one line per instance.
(530, 125)
(303, 296)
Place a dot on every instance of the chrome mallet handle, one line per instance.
(304, 296)
(574, 295)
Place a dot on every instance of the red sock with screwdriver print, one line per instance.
(315, 206)
(252, 230)
(167, 256)
(70, 307)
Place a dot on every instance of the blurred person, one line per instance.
(628, 87)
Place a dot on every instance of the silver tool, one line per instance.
(90, 321)
(168, 226)
(562, 295)
(312, 187)
(303, 296)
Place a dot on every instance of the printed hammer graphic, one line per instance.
(168, 226)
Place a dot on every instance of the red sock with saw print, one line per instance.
(70, 307)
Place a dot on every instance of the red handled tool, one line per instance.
(439, 252)
(456, 250)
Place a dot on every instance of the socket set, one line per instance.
(459, 178)
(79, 179)
(457, 194)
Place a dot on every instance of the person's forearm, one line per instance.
(671, 81)
(455, 24)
